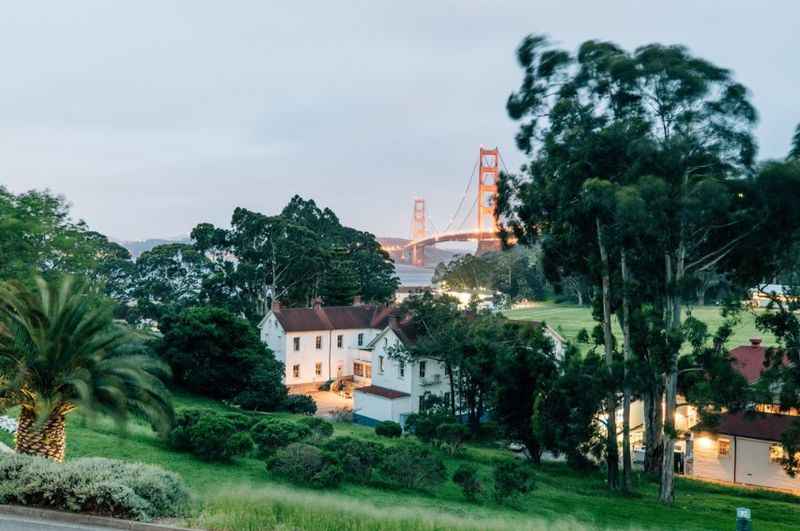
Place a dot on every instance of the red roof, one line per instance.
(333, 317)
(764, 426)
(749, 360)
(377, 390)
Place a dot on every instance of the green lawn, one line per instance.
(241, 495)
(569, 319)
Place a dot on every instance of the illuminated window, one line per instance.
(358, 369)
(296, 371)
(776, 453)
(318, 368)
(368, 370)
(723, 447)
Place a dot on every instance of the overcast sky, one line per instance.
(153, 116)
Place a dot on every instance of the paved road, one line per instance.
(16, 523)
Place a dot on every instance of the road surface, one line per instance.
(18, 523)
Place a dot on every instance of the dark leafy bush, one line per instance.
(488, 431)
(209, 435)
(300, 404)
(466, 476)
(101, 486)
(424, 425)
(272, 433)
(359, 458)
(512, 479)
(452, 435)
(412, 465)
(242, 421)
(387, 428)
(320, 428)
(306, 465)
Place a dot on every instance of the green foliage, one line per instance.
(299, 404)
(209, 435)
(466, 476)
(274, 432)
(359, 458)
(413, 466)
(306, 465)
(100, 486)
(388, 428)
(217, 354)
(452, 436)
(340, 283)
(425, 425)
(320, 428)
(60, 349)
(511, 480)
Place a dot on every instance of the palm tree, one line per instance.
(59, 351)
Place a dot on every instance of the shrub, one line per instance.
(452, 435)
(358, 457)
(424, 425)
(466, 476)
(306, 465)
(101, 486)
(412, 465)
(273, 433)
(488, 431)
(209, 435)
(511, 479)
(242, 421)
(388, 428)
(320, 428)
(342, 414)
(300, 404)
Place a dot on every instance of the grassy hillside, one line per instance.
(241, 495)
(569, 319)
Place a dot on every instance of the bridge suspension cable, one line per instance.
(463, 198)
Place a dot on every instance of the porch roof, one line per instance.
(377, 390)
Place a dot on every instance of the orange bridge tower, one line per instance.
(488, 176)
(419, 226)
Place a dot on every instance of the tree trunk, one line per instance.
(48, 441)
(627, 465)
(612, 458)
(653, 398)
(674, 276)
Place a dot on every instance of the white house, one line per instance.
(320, 344)
(398, 388)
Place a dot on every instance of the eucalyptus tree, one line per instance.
(687, 126)
(60, 352)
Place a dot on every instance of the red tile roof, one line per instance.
(764, 426)
(333, 318)
(749, 359)
(381, 391)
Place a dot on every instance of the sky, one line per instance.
(155, 115)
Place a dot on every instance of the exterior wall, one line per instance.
(368, 408)
(273, 335)
(748, 463)
(307, 358)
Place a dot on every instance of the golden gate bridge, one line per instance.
(485, 231)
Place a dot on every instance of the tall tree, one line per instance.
(57, 355)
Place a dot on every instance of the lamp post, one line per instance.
(743, 521)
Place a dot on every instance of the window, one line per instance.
(318, 368)
(339, 341)
(776, 453)
(422, 369)
(367, 371)
(358, 369)
(401, 369)
(380, 364)
(296, 371)
(385, 342)
(296, 343)
(723, 447)
(319, 342)
(422, 402)
(360, 339)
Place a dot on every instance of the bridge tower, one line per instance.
(488, 176)
(418, 231)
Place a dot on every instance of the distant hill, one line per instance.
(137, 247)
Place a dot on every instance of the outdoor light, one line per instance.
(743, 519)
(705, 443)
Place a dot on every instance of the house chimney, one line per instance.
(357, 301)
(755, 341)
(316, 303)
(276, 306)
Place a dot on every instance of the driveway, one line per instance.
(328, 401)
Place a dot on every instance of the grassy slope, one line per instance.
(240, 495)
(569, 319)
